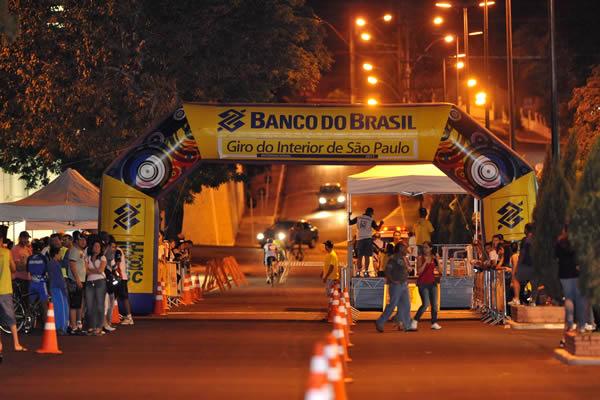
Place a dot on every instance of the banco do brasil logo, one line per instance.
(231, 120)
(510, 215)
(127, 216)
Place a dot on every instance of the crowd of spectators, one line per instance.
(82, 274)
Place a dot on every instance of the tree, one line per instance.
(84, 78)
(549, 218)
(584, 227)
(569, 161)
(586, 119)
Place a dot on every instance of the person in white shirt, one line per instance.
(364, 244)
(270, 257)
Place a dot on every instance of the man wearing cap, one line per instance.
(423, 228)
(331, 266)
(20, 253)
(7, 311)
(364, 244)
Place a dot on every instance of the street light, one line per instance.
(460, 65)
(443, 5)
(360, 21)
(365, 36)
(481, 98)
(367, 66)
(472, 82)
(438, 20)
(449, 38)
(476, 33)
(489, 3)
(372, 101)
(387, 17)
(372, 80)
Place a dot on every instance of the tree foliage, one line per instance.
(84, 78)
(585, 103)
(570, 161)
(584, 224)
(549, 217)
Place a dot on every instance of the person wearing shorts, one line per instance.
(75, 282)
(7, 311)
(364, 244)
(271, 251)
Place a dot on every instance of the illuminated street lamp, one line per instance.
(372, 80)
(489, 3)
(361, 21)
(449, 38)
(367, 66)
(387, 17)
(438, 20)
(472, 82)
(460, 65)
(372, 101)
(365, 36)
(443, 5)
(480, 98)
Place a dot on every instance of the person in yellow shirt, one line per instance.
(331, 266)
(423, 228)
(7, 312)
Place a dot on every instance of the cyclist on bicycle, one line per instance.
(37, 266)
(271, 252)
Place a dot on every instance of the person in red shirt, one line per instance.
(427, 264)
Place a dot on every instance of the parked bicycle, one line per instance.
(27, 313)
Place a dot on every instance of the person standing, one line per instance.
(58, 291)
(331, 267)
(7, 311)
(364, 244)
(123, 290)
(427, 264)
(95, 288)
(568, 273)
(37, 267)
(75, 281)
(423, 228)
(396, 272)
(20, 253)
(525, 272)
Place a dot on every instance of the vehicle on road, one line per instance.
(331, 195)
(290, 232)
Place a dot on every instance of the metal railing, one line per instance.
(489, 296)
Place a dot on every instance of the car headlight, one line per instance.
(341, 198)
(322, 200)
(260, 236)
(281, 235)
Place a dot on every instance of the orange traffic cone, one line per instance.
(338, 332)
(49, 340)
(335, 373)
(332, 349)
(345, 314)
(187, 295)
(348, 307)
(334, 304)
(115, 317)
(318, 385)
(159, 308)
(165, 297)
(343, 321)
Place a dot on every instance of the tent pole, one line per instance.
(349, 235)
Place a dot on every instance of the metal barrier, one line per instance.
(489, 296)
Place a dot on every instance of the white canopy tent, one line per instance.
(407, 179)
(68, 202)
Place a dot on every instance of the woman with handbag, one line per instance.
(427, 264)
(95, 288)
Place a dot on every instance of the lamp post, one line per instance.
(510, 76)
(554, 91)
(486, 58)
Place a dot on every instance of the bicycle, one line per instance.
(26, 315)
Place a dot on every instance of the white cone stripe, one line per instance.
(49, 326)
(318, 364)
(334, 374)
(159, 297)
(331, 351)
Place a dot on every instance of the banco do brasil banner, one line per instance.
(385, 133)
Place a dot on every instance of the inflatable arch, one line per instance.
(438, 133)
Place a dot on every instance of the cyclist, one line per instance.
(37, 266)
(271, 251)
